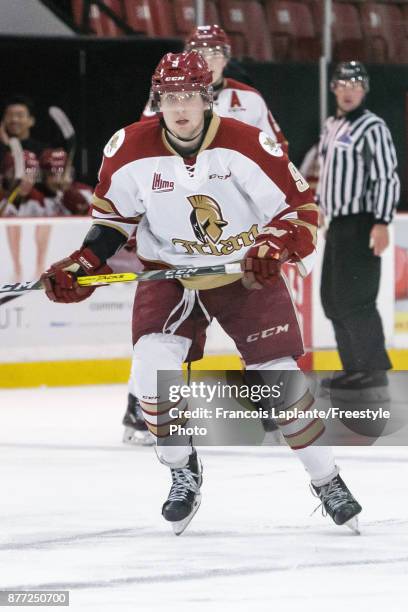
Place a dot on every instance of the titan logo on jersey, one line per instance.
(208, 223)
(160, 185)
(206, 218)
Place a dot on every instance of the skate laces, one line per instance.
(183, 482)
(332, 496)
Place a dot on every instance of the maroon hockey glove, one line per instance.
(272, 248)
(60, 282)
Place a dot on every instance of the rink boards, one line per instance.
(46, 343)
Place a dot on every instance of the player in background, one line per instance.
(58, 196)
(61, 196)
(205, 190)
(18, 203)
(17, 121)
(42, 193)
(231, 99)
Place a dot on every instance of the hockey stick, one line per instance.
(126, 277)
(8, 298)
(68, 132)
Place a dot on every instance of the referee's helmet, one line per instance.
(350, 71)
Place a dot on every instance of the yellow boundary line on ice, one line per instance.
(111, 371)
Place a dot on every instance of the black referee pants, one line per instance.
(349, 288)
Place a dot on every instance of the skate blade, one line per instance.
(353, 525)
(137, 438)
(180, 526)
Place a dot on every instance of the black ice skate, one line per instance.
(338, 503)
(184, 498)
(136, 431)
(370, 386)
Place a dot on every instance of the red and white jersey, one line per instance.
(242, 102)
(246, 104)
(36, 204)
(202, 211)
(28, 208)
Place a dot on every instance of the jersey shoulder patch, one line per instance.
(114, 143)
(270, 145)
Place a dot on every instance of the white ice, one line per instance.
(80, 511)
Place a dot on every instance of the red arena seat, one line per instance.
(293, 32)
(99, 22)
(185, 17)
(384, 31)
(348, 42)
(258, 37)
(163, 18)
(138, 16)
(232, 13)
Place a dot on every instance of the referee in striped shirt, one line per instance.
(358, 192)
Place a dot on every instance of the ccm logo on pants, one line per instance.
(272, 331)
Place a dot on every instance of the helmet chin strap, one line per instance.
(179, 137)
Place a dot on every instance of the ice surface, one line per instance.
(80, 511)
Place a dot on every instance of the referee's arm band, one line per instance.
(104, 241)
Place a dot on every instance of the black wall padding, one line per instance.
(103, 84)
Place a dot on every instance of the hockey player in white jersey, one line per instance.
(205, 190)
(231, 98)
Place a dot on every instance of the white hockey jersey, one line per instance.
(242, 102)
(36, 204)
(202, 211)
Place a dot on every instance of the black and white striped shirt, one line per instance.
(357, 167)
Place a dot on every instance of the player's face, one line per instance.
(18, 121)
(216, 61)
(183, 113)
(349, 95)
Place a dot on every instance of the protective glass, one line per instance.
(209, 53)
(349, 84)
(181, 100)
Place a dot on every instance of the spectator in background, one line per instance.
(18, 202)
(17, 121)
(60, 195)
(46, 191)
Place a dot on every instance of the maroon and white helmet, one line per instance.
(30, 162)
(77, 199)
(53, 160)
(210, 36)
(181, 72)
